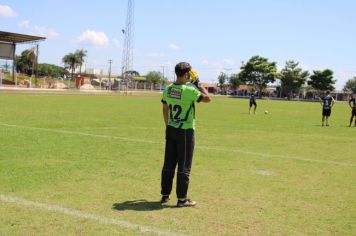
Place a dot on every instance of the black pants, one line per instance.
(179, 150)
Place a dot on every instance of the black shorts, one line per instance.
(326, 112)
(253, 103)
(353, 112)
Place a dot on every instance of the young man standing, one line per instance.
(327, 103)
(179, 117)
(252, 102)
(352, 104)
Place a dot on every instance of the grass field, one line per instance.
(91, 165)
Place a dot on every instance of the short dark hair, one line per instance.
(327, 92)
(182, 68)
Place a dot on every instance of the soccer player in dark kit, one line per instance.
(327, 103)
(253, 102)
(179, 116)
(352, 103)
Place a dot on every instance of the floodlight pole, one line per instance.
(127, 51)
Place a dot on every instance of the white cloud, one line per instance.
(94, 38)
(45, 32)
(173, 47)
(6, 11)
(228, 61)
(25, 24)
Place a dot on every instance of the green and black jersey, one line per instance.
(327, 101)
(180, 99)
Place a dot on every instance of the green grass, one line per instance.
(275, 174)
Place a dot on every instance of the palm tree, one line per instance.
(71, 61)
(32, 57)
(80, 54)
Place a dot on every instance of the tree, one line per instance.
(132, 73)
(322, 80)
(51, 70)
(71, 62)
(80, 54)
(350, 85)
(258, 72)
(154, 77)
(23, 63)
(32, 57)
(292, 78)
(234, 81)
(222, 80)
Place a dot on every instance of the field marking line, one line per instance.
(261, 132)
(281, 156)
(119, 128)
(81, 133)
(85, 215)
(223, 149)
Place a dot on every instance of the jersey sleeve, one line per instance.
(164, 97)
(195, 95)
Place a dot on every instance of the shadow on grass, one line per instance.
(139, 205)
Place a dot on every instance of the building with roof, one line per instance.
(8, 42)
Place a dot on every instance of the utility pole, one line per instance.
(110, 62)
(14, 77)
(174, 76)
(227, 70)
(160, 87)
(36, 76)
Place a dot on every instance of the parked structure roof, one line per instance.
(18, 38)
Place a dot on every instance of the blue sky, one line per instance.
(214, 36)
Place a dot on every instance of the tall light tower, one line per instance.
(127, 51)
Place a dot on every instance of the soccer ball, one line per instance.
(266, 112)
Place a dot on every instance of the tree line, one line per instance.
(257, 72)
(72, 61)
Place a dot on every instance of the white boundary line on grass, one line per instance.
(85, 215)
(200, 147)
(81, 133)
(281, 156)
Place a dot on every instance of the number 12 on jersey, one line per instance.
(176, 109)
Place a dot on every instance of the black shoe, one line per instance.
(186, 203)
(164, 199)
